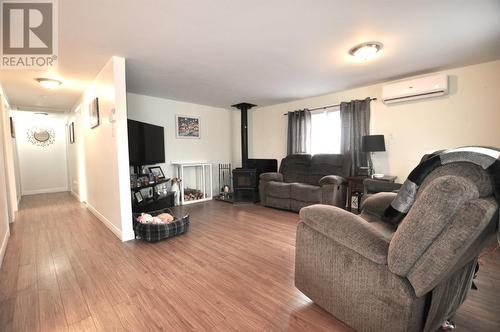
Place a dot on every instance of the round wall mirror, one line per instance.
(41, 135)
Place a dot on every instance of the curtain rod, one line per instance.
(329, 106)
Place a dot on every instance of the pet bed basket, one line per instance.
(158, 232)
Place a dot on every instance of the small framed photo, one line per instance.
(94, 113)
(12, 128)
(157, 172)
(138, 197)
(187, 126)
(72, 133)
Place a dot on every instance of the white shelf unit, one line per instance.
(202, 180)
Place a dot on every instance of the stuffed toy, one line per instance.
(145, 218)
(166, 218)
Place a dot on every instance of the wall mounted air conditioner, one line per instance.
(413, 89)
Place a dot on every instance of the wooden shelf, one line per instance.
(154, 203)
(149, 185)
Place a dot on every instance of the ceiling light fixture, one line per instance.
(365, 51)
(49, 83)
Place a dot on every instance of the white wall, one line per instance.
(76, 155)
(4, 217)
(469, 115)
(17, 171)
(10, 156)
(43, 169)
(214, 146)
(99, 159)
(236, 136)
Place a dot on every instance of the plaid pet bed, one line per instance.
(155, 233)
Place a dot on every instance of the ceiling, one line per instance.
(221, 52)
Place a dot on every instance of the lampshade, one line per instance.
(372, 143)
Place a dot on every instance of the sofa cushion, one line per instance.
(325, 164)
(296, 167)
(279, 189)
(305, 192)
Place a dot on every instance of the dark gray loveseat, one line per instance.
(305, 180)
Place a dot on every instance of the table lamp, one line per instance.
(370, 144)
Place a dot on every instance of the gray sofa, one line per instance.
(374, 277)
(304, 180)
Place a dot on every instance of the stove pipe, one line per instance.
(244, 107)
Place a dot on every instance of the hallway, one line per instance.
(64, 270)
(57, 269)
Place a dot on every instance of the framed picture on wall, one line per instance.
(72, 133)
(187, 126)
(12, 128)
(94, 113)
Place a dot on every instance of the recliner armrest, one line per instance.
(332, 179)
(377, 203)
(272, 176)
(348, 230)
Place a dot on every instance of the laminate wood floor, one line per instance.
(233, 270)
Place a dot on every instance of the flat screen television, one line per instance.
(146, 143)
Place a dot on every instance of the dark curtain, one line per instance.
(299, 132)
(355, 122)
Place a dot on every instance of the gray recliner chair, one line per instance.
(304, 180)
(375, 277)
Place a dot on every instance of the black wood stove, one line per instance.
(245, 184)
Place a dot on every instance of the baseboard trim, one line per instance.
(75, 195)
(106, 222)
(14, 217)
(3, 248)
(44, 191)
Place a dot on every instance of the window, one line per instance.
(325, 131)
